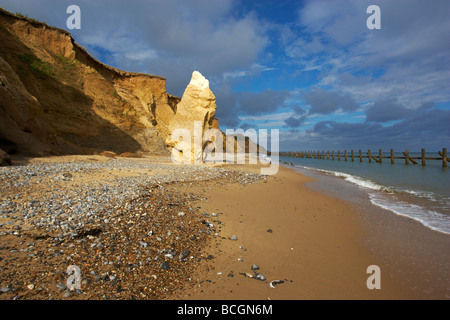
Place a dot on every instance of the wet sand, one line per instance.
(317, 246)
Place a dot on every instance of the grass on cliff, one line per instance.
(67, 63)
(21, 15)
(40, 68)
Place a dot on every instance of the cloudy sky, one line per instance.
(311, 69)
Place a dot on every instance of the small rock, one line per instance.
(165, 265)
(269, 230)
(5, 289)
(260, 276)
(184, 254)
(61, 286)
(30, 286)
(255, 267)
(143, 244)
(233, 237)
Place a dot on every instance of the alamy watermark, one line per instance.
(374, 21)
(374, 281)
(74, 280)
(74, 20)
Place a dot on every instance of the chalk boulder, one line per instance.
(195, 113)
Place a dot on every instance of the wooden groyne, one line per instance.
(372, 157)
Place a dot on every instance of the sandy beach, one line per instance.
(314, 245)
(195, 232)
(320, 246)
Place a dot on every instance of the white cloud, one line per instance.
(274, 116)
(410, 52)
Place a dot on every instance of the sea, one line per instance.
(417, 192)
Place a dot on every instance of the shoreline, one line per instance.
(416, 254)
(317, 246)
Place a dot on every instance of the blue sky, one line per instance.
(311, 69)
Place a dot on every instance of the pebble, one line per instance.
(61, 286)
(86, 201)
(184, 254)
(233, 237)
(143, 244)
(260, 276)
(119, 222)
(255, 267)
(165, 265)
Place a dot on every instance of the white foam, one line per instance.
(384, 199)
(365, 183)
(431, 219)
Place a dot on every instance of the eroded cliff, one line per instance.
(55, 98)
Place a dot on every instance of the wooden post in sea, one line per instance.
(360, 155)
(332, 155)
(381, 157)
(339, 155)
(370, 156)
(392, 156)
(323, 155)
(353, 158)
(408, 158)
(345, 155)
(423, 157)
(444, 157)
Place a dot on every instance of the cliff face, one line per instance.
(55, 98)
